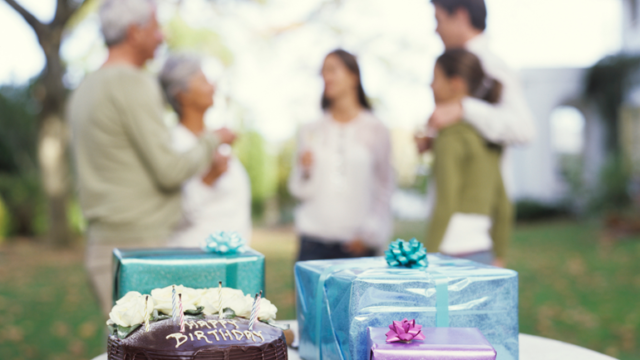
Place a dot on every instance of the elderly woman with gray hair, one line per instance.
(219, 198)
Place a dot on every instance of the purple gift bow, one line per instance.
(442, 296)
(404, 331)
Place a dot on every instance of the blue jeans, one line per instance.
(312, 248)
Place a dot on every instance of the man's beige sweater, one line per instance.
(128, 176)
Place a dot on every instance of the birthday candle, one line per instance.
(252, 317)
(258, 305)
(254, 311)
(146, 315)
(174, 306)
(181, 313)
(220, 312)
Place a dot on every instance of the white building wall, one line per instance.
(631, 26)
(535, 168)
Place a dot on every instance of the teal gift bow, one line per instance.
(224, 242)
(409, 254)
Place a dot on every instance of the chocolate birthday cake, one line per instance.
(197, 324)
(205, 339)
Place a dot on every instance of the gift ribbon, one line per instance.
(407, 254)
(442, 298)
(224, 243)
(442, 303)
(320, 299)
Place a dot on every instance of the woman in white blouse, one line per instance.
(220, 198)
(342, 175)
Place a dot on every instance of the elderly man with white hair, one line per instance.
(129, 176)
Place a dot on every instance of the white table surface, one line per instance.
(531, 348)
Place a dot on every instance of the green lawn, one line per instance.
(572, 288)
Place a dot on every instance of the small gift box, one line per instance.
(221, 259)
(432, 344)
(338, 300)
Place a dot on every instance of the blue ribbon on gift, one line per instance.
(412, 254)
(442, 295)
(224, 242)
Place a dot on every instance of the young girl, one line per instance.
(472, 214)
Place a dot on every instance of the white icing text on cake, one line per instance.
(222, 334)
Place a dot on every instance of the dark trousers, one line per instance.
(312, 248)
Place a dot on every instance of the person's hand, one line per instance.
(356, 247)
(225, 135)
(220, 163)
(306, 160)
(445, 115)
(423, 143)
(219, 166)
(498, 262)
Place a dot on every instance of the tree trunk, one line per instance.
(53, 141)
(53, 138)
(54, 172)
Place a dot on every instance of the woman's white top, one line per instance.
(467, 234)
(224, 205)
(347, 193)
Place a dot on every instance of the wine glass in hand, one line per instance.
(225, 135)
(306, 160)
(357, 247)
(219, 166)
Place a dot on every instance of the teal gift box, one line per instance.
(147, 269)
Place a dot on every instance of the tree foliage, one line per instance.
(261, 165)
(53, 168)
(19, 177)
(182, 37)
(607, 85)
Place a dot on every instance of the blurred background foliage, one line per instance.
(268, 163)
(180, 36)
(20, 188)
(261, 165)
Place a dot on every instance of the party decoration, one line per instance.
(146, 318)
(181, 313)
(174, 305)
(404, 331)
(255, 310)
(220, 310)
(224, 242)
(410, 254)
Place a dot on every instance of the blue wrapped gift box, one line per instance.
(339, 299)
(148, 269)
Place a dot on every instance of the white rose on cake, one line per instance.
(267, 309)
(163, 298)
(130, 309)
(231, 298)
